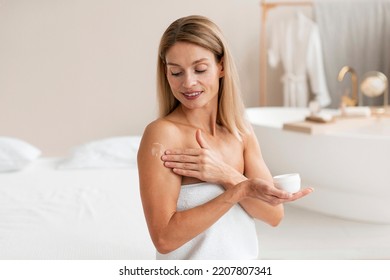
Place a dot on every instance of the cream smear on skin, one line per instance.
(157, 149)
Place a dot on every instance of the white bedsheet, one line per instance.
(47, 213)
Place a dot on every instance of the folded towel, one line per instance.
(356, 112)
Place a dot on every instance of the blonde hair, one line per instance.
(203, 32)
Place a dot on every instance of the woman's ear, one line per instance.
(222, 68)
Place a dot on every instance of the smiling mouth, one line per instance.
(192, 95)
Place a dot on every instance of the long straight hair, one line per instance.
(203, 32)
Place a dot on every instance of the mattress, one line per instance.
(48, 213)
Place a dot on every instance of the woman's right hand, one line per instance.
(201, 163)
(266, 191)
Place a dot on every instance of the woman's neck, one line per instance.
(203, 118)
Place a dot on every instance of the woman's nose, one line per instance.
(189, 80)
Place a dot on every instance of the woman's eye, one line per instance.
(176, 73)
(200, 70)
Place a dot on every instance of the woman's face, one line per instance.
(193, 74)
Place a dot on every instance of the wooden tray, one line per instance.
(308, 127)
(338, 124)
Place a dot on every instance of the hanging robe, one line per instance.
(296, 42)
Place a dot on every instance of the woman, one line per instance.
(202, 176)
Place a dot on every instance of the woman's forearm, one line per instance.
(256, 208)
(185, 225)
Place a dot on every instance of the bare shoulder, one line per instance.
(158, 136)
(255, 166)
(160, 131)
(249, 137)
(160, 127)
(153, 175)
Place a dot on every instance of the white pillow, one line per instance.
(115, 152)
(16, 154)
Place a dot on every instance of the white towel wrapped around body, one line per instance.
(233, 236)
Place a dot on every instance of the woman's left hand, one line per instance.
(202, 163)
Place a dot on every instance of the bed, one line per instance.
(85, 206)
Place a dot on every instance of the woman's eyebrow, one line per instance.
(193, 63)
(200, 60)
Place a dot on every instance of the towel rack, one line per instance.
(266, 6)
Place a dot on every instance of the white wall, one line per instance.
(77, 70)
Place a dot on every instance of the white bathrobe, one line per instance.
(296, 42)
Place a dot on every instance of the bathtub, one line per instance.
(349, 168)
